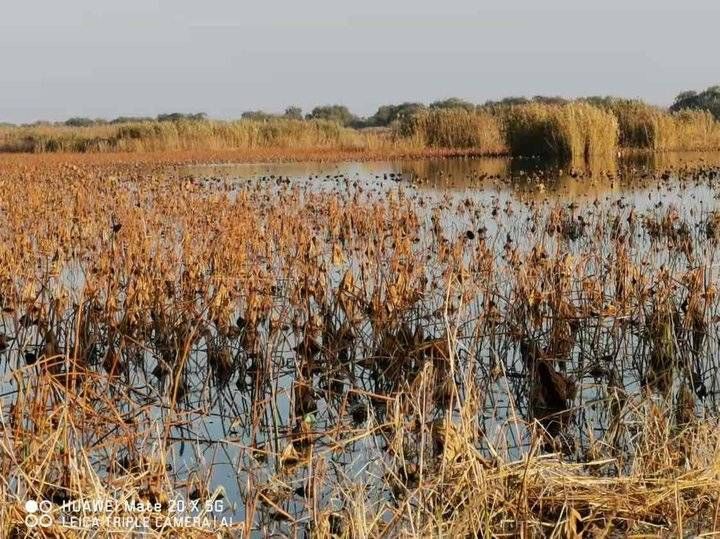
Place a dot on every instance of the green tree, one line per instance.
(293, 113)
(80, 122)
(453, 103)
(333, 113)
(387, 114)
(708, 99)
(257, 115)
(131, 119)
(177, 116)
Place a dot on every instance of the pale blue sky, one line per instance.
(143, 57)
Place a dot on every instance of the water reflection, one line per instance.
(628, 173)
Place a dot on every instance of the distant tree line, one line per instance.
(386, 115)
(705, 100)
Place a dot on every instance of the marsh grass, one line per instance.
(575, 131)
(280, 134)
(643, 126)
(578, 131)
(454, 128)
(382, 360)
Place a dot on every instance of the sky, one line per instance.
(97, 58)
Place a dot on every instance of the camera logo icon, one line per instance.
(38, 514)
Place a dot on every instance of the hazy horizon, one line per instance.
(144, 57)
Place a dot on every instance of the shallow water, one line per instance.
(513, 189)
(457, 202)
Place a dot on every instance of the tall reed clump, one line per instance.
(696, 130)
(576, 131)
(643, 126)
(453, 128)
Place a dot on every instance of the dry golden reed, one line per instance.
(575, 131)
(454, 128)
(281, 134)
(643, 126)
(487, 367)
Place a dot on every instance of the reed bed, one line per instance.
(346, 358)
(454, 128)
(575, 131)
(279, 134)
(651, 128)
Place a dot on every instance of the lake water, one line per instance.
(508, 206)
(517, 189)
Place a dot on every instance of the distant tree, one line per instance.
(685, 97)
(80, 122)
(131, 119)
(617, 105)
(513, 101)
(387, 114)
(293, 113)
(334, 113)
(257, 115)
(177, 116)
(708, 99)
(504, 103)
(549, 99)
(602, 101)
(453, 103)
